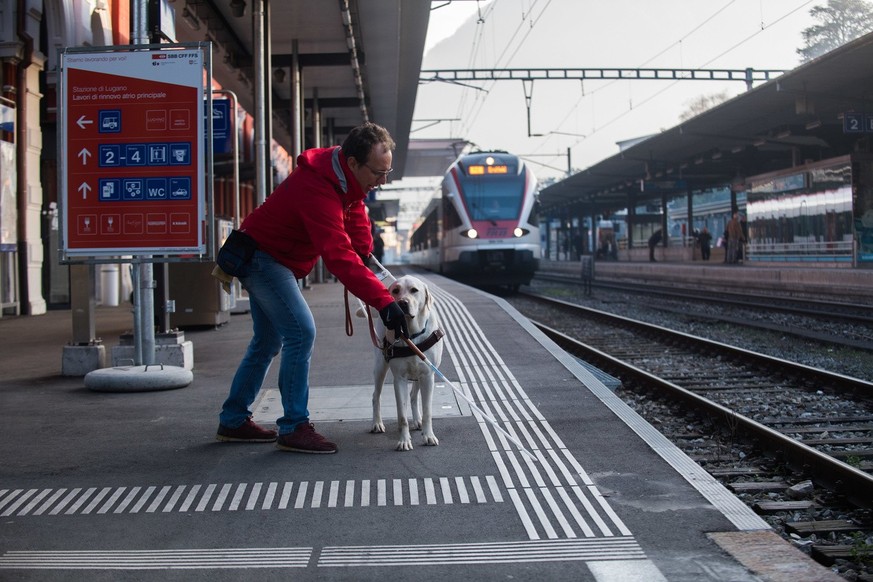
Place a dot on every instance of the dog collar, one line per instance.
(424, 329)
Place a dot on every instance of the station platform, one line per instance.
(134, 485)
(815, 281)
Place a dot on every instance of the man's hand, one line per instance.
(394, 319)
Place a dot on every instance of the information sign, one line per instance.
(132, 147)
(221, 127)
(854, 122)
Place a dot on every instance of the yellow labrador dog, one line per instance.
(416, 301)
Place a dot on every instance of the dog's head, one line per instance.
(412, 295)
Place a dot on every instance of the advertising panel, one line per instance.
(8, 182)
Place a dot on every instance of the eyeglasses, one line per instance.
(380, 173)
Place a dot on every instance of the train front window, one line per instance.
(493, 199)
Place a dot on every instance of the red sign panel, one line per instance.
(133, 140)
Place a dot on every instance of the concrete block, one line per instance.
(180, 355)
(78, 360)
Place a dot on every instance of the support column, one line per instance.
(664, 233)
(316, 120)
(690, 220)
(30, 193)
(262, 152)
(268, 95)
(297, 113)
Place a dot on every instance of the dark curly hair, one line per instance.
(362, 139)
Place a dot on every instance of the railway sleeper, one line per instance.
(782, 506)
(758, 486)
(807, 528)
(736, 471)
(837, 442)
(703, 459)
(819, 419)
(828, 555)
(764, 389)
(860, 453)
(829, 429)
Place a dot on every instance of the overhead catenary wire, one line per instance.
(662, 90)
(472, 105)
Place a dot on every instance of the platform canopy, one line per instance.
(432, 157)
(807, 114)
(359, 59)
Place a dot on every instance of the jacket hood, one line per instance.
(331, 164)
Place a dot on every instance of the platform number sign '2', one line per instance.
(854, 122)
(132, 146)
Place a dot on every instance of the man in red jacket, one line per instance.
(318, 211)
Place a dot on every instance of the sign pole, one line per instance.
(145, 303)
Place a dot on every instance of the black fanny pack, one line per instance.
(236, 254)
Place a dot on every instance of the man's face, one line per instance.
(375, 171)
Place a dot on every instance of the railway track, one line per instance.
(756, 311)
(815, 426)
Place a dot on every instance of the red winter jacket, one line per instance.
(317, 211)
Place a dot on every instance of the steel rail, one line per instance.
(841, 311)
(855, 484)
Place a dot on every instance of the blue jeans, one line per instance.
(282, 322)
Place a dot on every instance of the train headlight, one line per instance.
(520, 232)
(472, 233)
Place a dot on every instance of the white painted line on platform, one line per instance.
(492, 386)
(624, 551)
(250, 497)
(181, 559)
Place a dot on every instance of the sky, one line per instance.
(582, 122)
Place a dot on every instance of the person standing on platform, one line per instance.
(318, 211)
(735, 238)
(705, 239)
(378, 244)
(654, 241)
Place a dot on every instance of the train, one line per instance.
(482, 226)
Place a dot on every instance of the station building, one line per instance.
(791, 156)
(325, 67)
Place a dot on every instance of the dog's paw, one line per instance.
(430, 440)
(378, 427)
(415, 425)
(404, 445)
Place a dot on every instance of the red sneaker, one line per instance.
(247, 432)
(304, 439)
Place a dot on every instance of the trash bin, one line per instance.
(109, 283)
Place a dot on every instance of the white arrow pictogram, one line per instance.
(84, 188)
(82, 122)
(84, 155)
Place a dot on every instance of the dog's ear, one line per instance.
(428, 300)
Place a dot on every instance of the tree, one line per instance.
(700, 104)
(840, 21)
